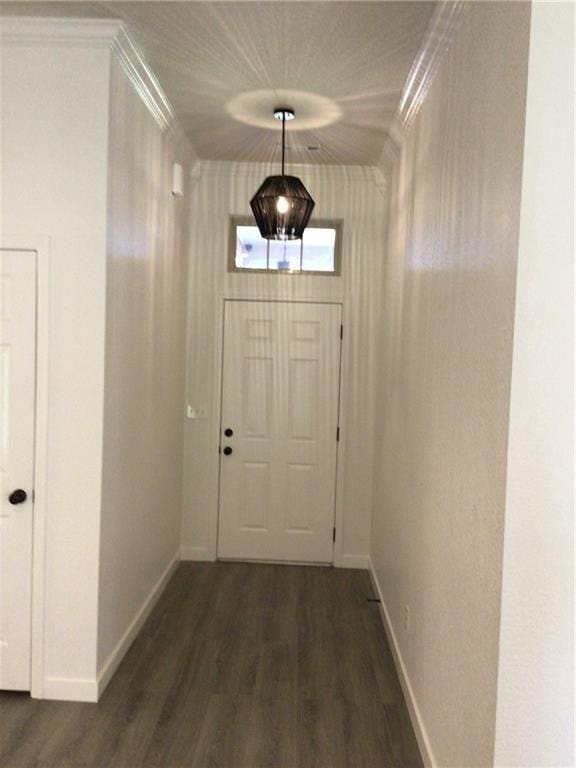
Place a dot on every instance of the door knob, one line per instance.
(227, 450)
(228, 432)
(18, 496)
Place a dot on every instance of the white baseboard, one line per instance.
(413, 709)
(70, 689)
(197, 554)
(113, 661)
(353, 561)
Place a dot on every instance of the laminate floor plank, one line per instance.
(239, 665)
(176, 734)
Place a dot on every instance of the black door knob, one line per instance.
(227, 450)
(18, 496)
(228, 432)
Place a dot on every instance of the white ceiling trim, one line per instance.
(249, 167)
(23, 30)
(94, 33)
(437, 40)
(245, 169)
(143, 79)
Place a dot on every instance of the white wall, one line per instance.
(145, 364)
(222, 189)
(87, 155)
(54, 107)
(443, 381)
(535, 713)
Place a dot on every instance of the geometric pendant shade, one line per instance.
(282, 206)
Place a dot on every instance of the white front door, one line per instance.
(17, 402)
(279, 419)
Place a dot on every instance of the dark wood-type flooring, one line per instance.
(239, 666)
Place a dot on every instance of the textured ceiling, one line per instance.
(225, 65)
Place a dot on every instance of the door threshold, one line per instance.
(273, 562)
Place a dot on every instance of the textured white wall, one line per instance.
(222, 189)
(54, 106)
(443, 380)
(145, 364)
(535, 712)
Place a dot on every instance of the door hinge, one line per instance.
(333, 534)
(337, 434)
(341, 331)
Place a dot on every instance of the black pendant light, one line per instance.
(282, 206)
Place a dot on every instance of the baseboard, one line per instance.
(197, 554)
(70, 689)
(353, 561)
(413, 709)
(113, 661)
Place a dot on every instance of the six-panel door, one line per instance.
(17, 403)
(280, 401)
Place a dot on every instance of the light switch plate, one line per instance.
(196, 413)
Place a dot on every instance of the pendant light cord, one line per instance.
(283, 138)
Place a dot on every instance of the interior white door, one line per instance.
(17, 403)
(279, 419)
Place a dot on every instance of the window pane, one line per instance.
(316, 252)
(250, 248)
(285, 254)
(318, 247)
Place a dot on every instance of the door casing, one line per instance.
(41, 247)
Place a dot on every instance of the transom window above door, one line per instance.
(317, 253)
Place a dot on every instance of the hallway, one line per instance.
(239, 666)
(287, 282)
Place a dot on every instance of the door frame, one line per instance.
(214, 518)
(40, 245)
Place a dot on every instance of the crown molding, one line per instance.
(380, 181)
(108, 34)
(32, 30)
(242, 168)
(143, 79)
(436, 42)
(316, 172)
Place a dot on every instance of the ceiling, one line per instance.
(225, 65)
